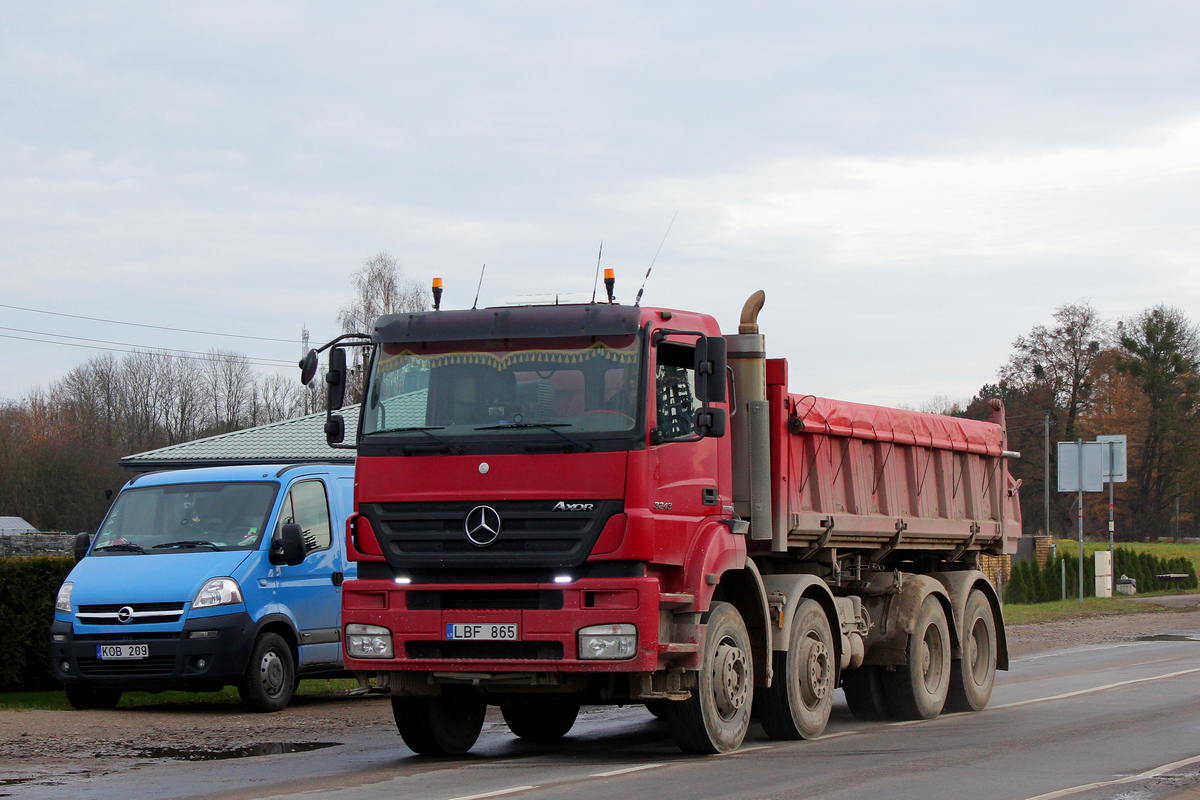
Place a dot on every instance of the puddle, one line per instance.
(1168, 637)
(250, 751)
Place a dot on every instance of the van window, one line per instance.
(307, 506)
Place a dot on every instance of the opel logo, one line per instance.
(124, 615)
(482, 525)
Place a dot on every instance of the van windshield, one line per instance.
(187, 518)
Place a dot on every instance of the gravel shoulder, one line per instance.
(46, 746)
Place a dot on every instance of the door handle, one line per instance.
(337, 578)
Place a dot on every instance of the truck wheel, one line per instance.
(541, 720)
(439, 726)
(973, 675)
(798, 702)
(715, 718)
(864, 693)
(270, 676)
(84, 696)
(917, 690)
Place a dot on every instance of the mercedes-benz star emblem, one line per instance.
(482, 525)
(124, 615)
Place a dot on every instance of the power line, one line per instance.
(279, 362)
(144, 325)
(185, 354)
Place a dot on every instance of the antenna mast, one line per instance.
(481, 271)
(596, 279)
(638, 300)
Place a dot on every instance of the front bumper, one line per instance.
(175, 661)
(548, 617)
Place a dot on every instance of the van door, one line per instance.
(310, 591)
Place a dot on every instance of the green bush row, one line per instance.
(28, 586)
(1034, 583)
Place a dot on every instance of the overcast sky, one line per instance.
(914, 185)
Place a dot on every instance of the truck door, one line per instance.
(311, 590)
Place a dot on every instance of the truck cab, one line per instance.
(203, 578)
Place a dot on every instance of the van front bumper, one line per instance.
(210, 652)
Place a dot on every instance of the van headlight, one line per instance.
(608, 641)
(368, 641)
(218, 592)
(63, 601)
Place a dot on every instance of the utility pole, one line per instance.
(1046, 479)
(1079, 444)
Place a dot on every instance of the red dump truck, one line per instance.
(559, 505)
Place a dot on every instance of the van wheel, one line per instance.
(798, 701)
(973, 675)
(715, 718)
(541, 720)
(918, 689)
(439, 726)
(84, 696)
(270, 676)
(864, 693)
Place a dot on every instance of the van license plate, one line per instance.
(112, 652)
(486, 631)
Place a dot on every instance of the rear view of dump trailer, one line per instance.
(605, 504)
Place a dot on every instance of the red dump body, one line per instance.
(939, 481)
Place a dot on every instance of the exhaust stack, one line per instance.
(751, 443)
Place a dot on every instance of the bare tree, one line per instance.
(380, 287)
(228, 378)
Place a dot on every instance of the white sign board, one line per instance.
(1089, 455)
(1119, 472)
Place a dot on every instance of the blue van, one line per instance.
(204, 578)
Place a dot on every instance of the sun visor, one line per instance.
(523, 322)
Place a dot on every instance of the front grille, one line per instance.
(523, 651)
(144, 667)
(124, 637)
(532, 534)
(143, 613)
(499, 600)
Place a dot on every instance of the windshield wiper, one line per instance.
(550, 426)
(129, 546)
(186, 543)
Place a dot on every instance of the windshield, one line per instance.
(586, 385)
(187, 517)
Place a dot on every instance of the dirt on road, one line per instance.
(38, 745)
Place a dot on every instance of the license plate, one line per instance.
(486, 631)
(110, 652)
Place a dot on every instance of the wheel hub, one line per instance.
(271, 671)
(731, 679)
(819, 680)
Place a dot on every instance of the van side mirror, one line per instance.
(83, 541)
(336, 378)
(288, 548)
(711, 362)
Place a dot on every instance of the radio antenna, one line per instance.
(596, 279)
(481, 271)
(638, 300)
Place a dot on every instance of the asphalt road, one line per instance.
(1108, 721)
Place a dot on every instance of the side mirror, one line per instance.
(336, 378)
(710, 422)
(335, 429)
(711, 362)
(83, 541)
(308, 367)
(289, 547)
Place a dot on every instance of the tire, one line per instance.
(439, 726)
(270, 676)
(798, 701)
(918, 689)
(542, 720)
(973, 676)
(84, 696)
(864, 693)
(715, 718)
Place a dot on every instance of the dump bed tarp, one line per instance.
(876, 423)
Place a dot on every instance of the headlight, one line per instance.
(63, 601)
(218, 592)
(608, 641)
(368, 641)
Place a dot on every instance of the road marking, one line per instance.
(497, 793)
(627, 770)
(1095, 689)
(1141, 776)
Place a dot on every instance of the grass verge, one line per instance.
(56, 700)
(1016, 613)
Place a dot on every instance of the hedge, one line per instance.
(28, 587)
(1033, 583)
